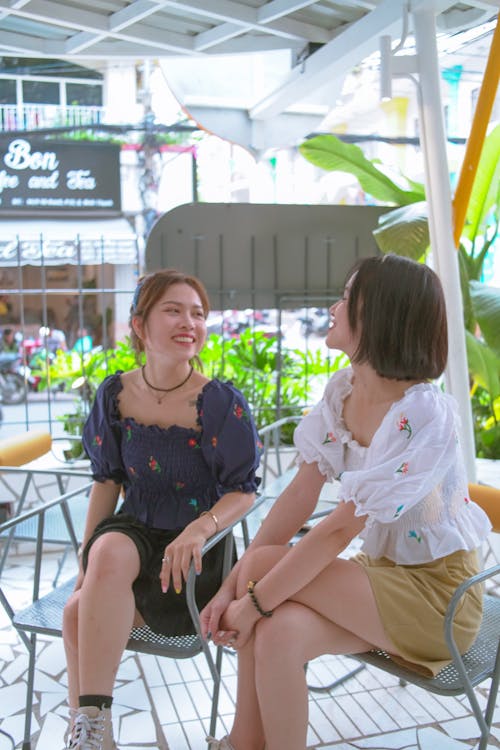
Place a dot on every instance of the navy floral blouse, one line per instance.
(171, 475)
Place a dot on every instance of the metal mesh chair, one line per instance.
(27, 488)
(482, 660)
(44, 615)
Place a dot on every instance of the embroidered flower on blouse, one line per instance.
(214, 441)
(466, 500)
(398, 511)
(403, 469)
(193, 443)
(179, 485)
(329, 438)
(404, 426)
(97, 441)
(414, 535)
(193, 502)
(154, 465)
(128, 433)
(239, 412)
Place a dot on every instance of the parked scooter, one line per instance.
(315, 320)
(32, 381)
(12, 384)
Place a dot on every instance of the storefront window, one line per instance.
(7, 91)
(79, 94)
(40, 92)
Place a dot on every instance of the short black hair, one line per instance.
(399, 308)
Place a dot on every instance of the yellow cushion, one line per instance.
(23, 448)
(489, 500)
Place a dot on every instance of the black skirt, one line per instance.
(167, 613)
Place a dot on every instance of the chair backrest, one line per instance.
(278, 452)
(489, 500)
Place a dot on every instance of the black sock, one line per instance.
(102, 701)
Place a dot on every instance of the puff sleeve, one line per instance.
(410, 454)
(321, 437)
(230, 442)
(101, 438)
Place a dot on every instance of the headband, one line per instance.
(137, 294)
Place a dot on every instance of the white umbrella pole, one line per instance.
(440, 220)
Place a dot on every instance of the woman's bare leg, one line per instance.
(102, 614)
(247, 732)
(336, 613)
(70, 639)
(292, 637)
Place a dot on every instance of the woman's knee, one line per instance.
(280, 634)
(113, 554)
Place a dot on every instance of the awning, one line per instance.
(54, 242)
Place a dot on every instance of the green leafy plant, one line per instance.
(276, 381)
(405, 231)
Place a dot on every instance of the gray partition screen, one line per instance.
(264, 256)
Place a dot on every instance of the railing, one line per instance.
(31, 116)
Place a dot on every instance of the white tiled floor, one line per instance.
(165, 704)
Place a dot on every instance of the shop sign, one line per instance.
(68, 251)
(42, 176)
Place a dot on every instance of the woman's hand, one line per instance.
(238, 621)
(178, 554)
(211, 614)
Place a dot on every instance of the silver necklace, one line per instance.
(152, 387)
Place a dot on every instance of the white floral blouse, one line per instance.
(410, 481)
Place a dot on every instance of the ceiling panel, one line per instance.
(306, 48)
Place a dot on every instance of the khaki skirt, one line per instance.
(412, 602)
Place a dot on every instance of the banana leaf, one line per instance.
(404, 231)
(331, 154)
(485, 193)
(486, 305)
(484, 365)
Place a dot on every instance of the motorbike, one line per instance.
(315, 320)
(32, 381)
(12, 384)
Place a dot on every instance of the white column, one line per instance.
(440, 219)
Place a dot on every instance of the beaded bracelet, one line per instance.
(255, 602)
(213, 517)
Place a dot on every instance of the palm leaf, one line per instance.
(331, 154)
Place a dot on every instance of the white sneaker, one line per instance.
(92, 729)
(222, 744)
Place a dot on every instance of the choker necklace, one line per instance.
(159, 399)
